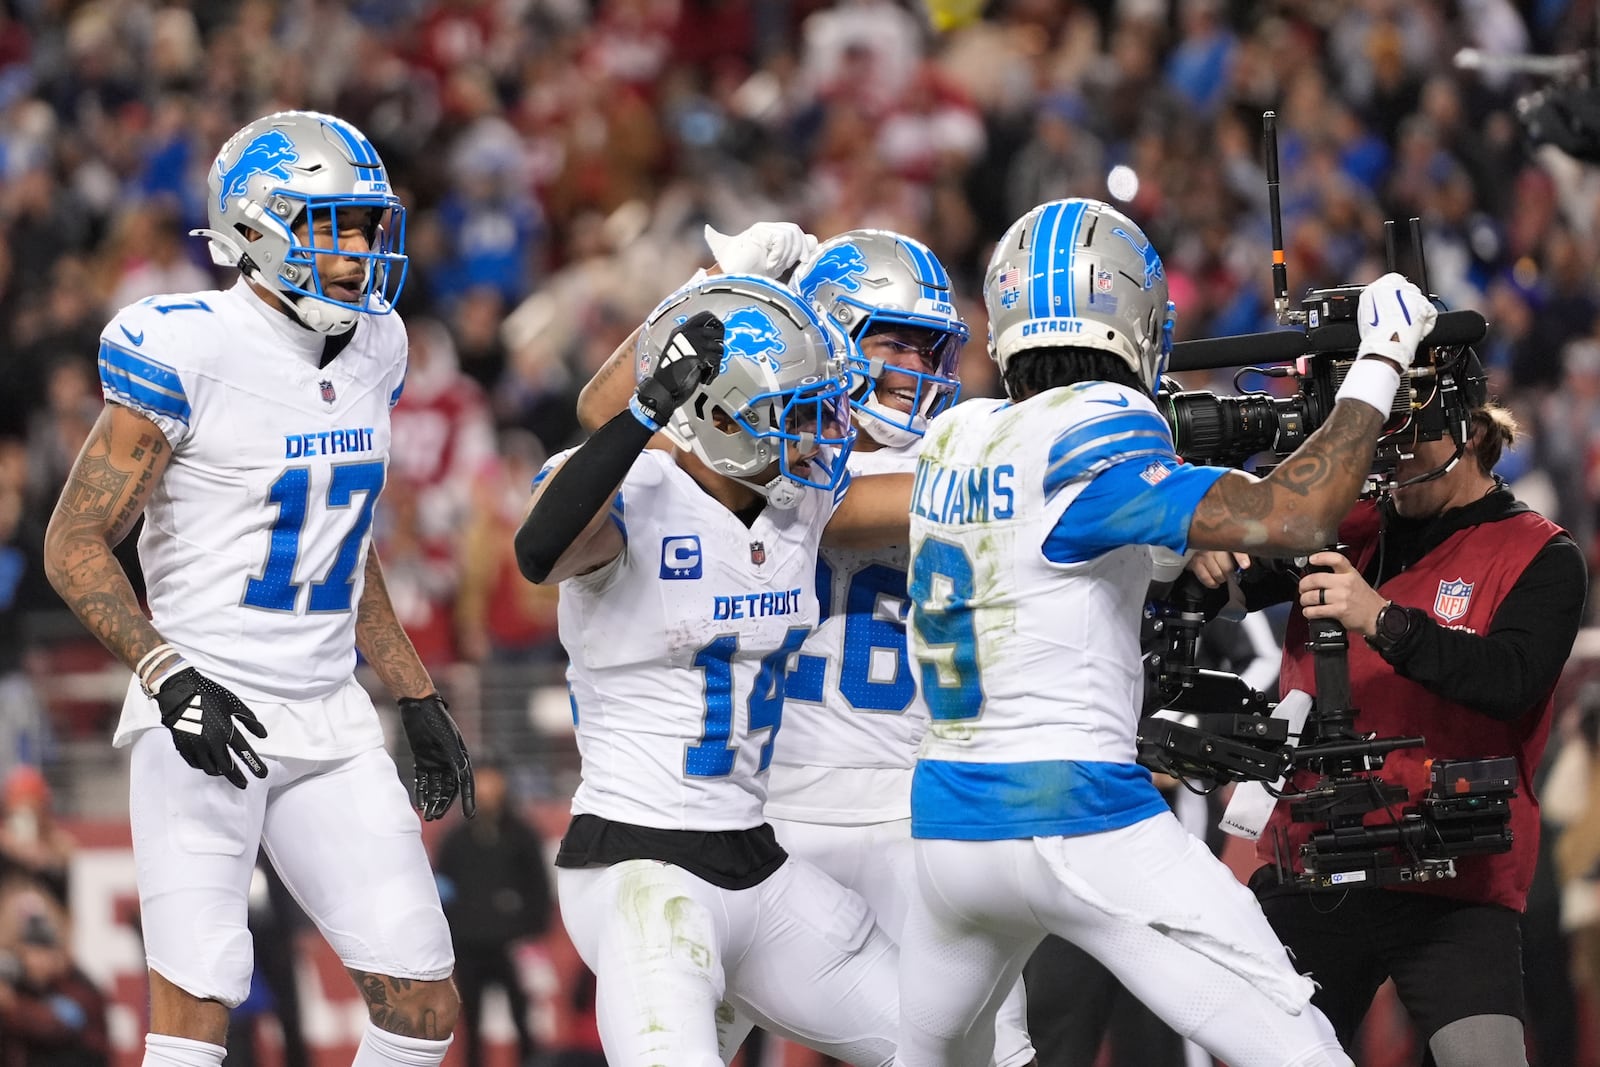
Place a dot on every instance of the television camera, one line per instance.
(1207, 727)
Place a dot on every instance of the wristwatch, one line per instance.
(1394, 625)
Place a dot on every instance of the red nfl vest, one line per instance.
(1460, 584)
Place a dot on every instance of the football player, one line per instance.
(839, 792)
(1032, 528)
(250, 427)
(687, 589)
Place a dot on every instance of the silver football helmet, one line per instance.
(1079, 274)
(297, 168)
(782, 381)
(867, 281)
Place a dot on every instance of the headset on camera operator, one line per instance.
(1468, 602)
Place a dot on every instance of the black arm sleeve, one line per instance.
(577, 491)
(1504, 673)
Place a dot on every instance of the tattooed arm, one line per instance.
(1298, 507)
(608, 391)
(106, 492)
(383, 641)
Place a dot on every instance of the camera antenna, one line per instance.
(1422, 256)
(1391, 261)
(1280, 269)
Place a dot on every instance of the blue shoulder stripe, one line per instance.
(394, 397)
(144, 382)
(840, 489)
(1141, 501)
(1101, 441)
(617, 517)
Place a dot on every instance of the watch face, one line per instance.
(1394, 625)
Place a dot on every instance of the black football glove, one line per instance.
(443, 767)
(691, 357)
(201, 715)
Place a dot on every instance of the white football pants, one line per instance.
(877, 861)
(799, 954)
(1148, 901)
(341, 834)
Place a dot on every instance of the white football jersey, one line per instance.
(1032, 528)
(256, 537)
(680, 648)
(854, 717)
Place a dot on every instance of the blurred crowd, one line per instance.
(560, 157)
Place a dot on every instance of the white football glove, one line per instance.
(770, 249)
(1393, 316)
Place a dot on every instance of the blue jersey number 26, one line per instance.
(943, 618)
(866, 632)
(275, 589)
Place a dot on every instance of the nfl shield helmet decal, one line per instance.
(1453, 599)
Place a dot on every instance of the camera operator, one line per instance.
(1461, 605)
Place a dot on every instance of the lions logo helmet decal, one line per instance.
(749, 333)
(270, 154)
(843, 266)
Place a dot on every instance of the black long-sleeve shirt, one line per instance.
(1502, 673)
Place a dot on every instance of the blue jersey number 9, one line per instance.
(275, 589)
(941, 589)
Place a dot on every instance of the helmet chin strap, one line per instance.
(875, 421)
(780, 493)
(319, 315)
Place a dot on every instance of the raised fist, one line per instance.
(1394, 316)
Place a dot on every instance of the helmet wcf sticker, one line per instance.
(749, 333)
(843, 266)
(1009, 282)
(1453, 599)
(270, 154)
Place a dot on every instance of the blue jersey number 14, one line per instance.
(275, 589)
(715, 754)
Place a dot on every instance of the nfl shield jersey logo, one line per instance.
(326, 388)
(758, 553)
(1452, 601)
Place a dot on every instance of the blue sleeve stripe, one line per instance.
(394, 397)
(1132, 503)
(137, 365)
(617, 516)
(840, 489)
(1113, 422)
(142, 383)
(1101, 440)
(1111, 450)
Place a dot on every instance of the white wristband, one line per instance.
(1372, 381)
